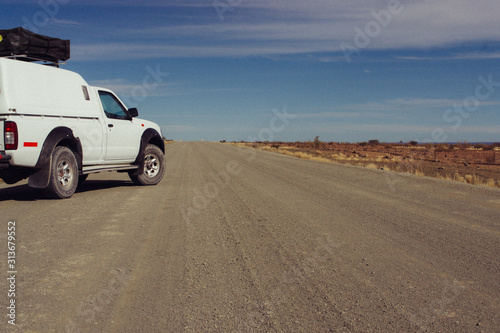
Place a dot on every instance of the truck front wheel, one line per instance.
(63, 174)
(154, 167)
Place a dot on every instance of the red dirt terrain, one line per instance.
(477, 164)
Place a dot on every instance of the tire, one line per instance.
(63, 174)
(82, 178)
(154, 167)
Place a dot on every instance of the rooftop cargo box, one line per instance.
(22, 42)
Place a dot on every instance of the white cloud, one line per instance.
(60, 22)
(400, 128)
(120, 86)
(114, 51)
(477, 55)
(178, 128)
(389, 108)
(125, 88)
(412, 104)
(263, 28)
(343, 115)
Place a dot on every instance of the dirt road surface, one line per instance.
(239, 240)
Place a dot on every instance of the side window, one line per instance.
(112, 108)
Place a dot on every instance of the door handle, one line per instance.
(110, 125)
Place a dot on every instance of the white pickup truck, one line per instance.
(56, 129)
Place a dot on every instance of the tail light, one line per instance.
(10, 135)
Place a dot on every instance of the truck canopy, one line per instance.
(22, 42)
(35, 89)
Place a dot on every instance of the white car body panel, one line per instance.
(40, 98)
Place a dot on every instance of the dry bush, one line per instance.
(490, 183)
(419, 172)
(472, 179)
(339, 156)
(457, 177)
(320, 159)
(404, 163)
(300, 154)
(477, 180)
(490, 157)
(286, 152)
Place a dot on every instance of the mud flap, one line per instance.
(40, 179)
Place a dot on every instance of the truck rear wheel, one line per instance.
(63, 174)
(154, 167)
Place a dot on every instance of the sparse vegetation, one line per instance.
(275, 145)
(317, 143)
(476, 164)
(463, 145)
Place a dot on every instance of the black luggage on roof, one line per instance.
(22, 42)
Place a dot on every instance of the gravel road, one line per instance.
(239, 240)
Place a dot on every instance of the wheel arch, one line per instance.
(149, 136)
(59, 136)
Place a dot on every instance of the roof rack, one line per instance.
(27, 58)
(25, 45)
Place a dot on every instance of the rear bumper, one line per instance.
(4, 161)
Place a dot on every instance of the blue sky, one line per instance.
(346, 71)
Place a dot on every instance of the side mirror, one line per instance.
(133, 112)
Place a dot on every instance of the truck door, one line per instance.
(123, 136)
